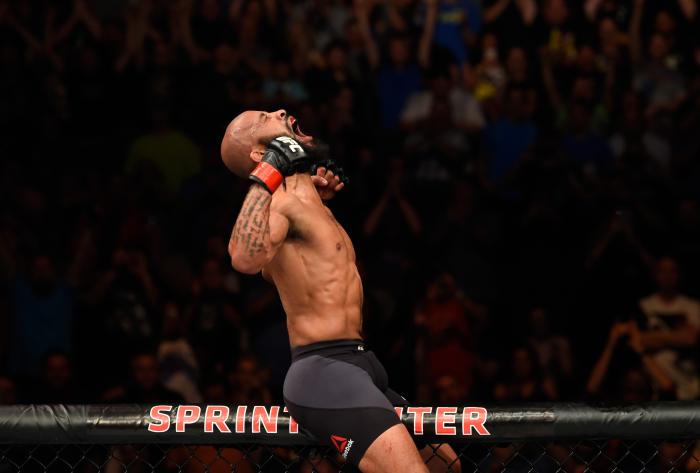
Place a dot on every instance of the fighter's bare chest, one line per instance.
(316, 227)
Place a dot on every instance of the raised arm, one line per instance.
(375, 216)
(426, 39)
(657, 373)
(258, 232)
(82, 13)
(600, 369)
(689, 8)
(362, 15)
(590, 8)
(528, 10)
(549, 82)
(408, 213)
(234, 10)
(90, 20)
(410, 216)
(494, 11)
(181, 28)
(636, 46)
(138, 29)
(13, 23)
(271, 11)
(56, 34)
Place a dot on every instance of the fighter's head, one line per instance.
(249, 133)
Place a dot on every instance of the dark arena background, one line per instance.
(523, 200)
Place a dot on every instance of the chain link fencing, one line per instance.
(540, 457)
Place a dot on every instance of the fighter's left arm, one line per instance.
(327, 182)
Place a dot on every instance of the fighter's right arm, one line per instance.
(258, 232)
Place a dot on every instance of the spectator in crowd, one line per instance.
(126, 298)
(399, 73)
(248, 382)
(282, 87)
(488, 78)
(523, 380)
(333, 73)
(464, 110)
(457, 26)
(215, 391)
(553, 350)
(144, 385)
(557, 32)
(442, 349)
(517, 69)
(57, 384)
(449, 391)
(509, 134)
(631, 135)
(618, 253)
(43, 308)
(213, 322)
(638, 383)
(657, 77)
(164, 155)
(394, 205)
(671, 329)
(511, 20)
(179, 364)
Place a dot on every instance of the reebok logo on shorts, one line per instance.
(342, 444)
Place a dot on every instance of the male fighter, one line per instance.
(335, 388)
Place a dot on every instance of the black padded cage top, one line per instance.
(199, 438)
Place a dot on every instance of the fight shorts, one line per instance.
(338, 391)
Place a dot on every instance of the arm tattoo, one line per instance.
(252, 228)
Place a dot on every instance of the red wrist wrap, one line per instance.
(268, 175)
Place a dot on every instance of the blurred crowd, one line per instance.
(523, 198)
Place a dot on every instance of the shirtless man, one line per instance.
(335, 388)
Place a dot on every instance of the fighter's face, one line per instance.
(267, 126)
(249, 133)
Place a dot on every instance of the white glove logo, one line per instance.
(293, 145)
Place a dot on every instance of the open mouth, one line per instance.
(296, 129)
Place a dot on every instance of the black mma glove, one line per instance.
(283, 157)
(330, 165)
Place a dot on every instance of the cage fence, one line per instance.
(658, 437)
(581, 456)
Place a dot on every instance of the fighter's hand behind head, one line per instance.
(283, 157)
(327, 183)
(328, 177)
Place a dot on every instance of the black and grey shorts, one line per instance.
(338, 391)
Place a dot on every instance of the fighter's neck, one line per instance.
(301, 186)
